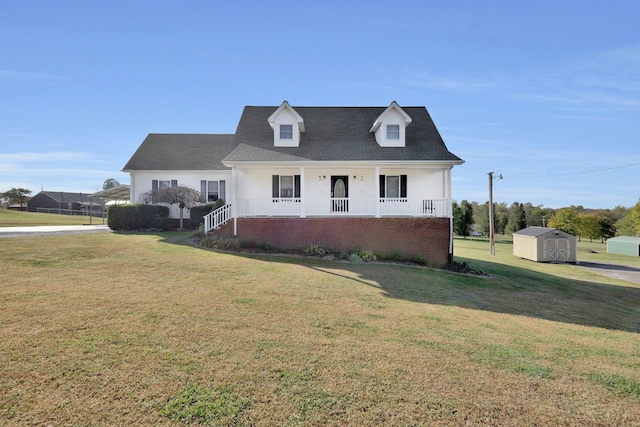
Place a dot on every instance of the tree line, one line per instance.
(592, 224)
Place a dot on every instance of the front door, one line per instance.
(339, 193)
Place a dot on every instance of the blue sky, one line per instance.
(546, 93)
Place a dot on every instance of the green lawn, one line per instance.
(144, 329)
(19, 219)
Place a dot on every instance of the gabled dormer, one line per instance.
(390, 126)
(287, 126)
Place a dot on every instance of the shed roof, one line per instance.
(625, 239)
(535, 231)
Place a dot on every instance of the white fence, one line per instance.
(93, 213)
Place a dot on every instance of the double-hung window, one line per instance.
(213, 190)
(286, 131)
(393, 131)
(285, 186)
(393, 186)
(158, 185)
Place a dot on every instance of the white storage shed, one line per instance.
(545, 244)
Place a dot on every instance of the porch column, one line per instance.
(234, 200)
(302, 195)
(377, 191)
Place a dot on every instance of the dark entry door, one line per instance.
(339, 193)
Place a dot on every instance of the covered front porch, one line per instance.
(334, 190)
(333, 207)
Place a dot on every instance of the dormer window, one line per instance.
(393, 131)
(287, 126)
(286, 131)
(390, 126)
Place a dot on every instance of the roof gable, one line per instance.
(393, 107)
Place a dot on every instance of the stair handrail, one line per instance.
(217, 218)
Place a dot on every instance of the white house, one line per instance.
(378, 178)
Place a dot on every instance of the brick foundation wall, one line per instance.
(425, 237)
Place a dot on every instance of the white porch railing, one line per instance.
(310, 207)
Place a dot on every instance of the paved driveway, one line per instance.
(49, 230)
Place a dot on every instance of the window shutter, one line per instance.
(222, 194)
(174, 182)
(382, 186)
(275, 186)
(154, 191)
(403, 186)
(203, 189)
(296, 186)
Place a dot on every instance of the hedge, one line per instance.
(133, 217)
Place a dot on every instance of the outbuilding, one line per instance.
(624, 245)
(545, 244)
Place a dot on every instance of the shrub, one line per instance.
(213, 242)
(247, 244)
(419, 259)
(198, 233)
(133, 217)
(368, 256)
(396, 255)
(197, 214)
(354, 257)
(317, 250)
(218, 204)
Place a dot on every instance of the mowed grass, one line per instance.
(143, 329)
(22, 219)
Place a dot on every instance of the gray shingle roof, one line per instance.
(181, 152)
(534, 231)
(337, 134)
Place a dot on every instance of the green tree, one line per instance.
(566, 219)
(110, 183)
(481, 218)
(607, 229)
(183, 196)
(462, 218)
(17, 196)
(517, 219)
(501, 217)
(588, 226)
(629, 225)
(537, 215)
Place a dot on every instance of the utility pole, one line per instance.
(492, 247)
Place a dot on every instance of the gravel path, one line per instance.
(614, 271)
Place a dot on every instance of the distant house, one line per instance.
(376, 178)
(544, 244)
(624, 245)
(65, 203)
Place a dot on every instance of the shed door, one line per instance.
(557, 250)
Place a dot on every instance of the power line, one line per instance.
(577, 173)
